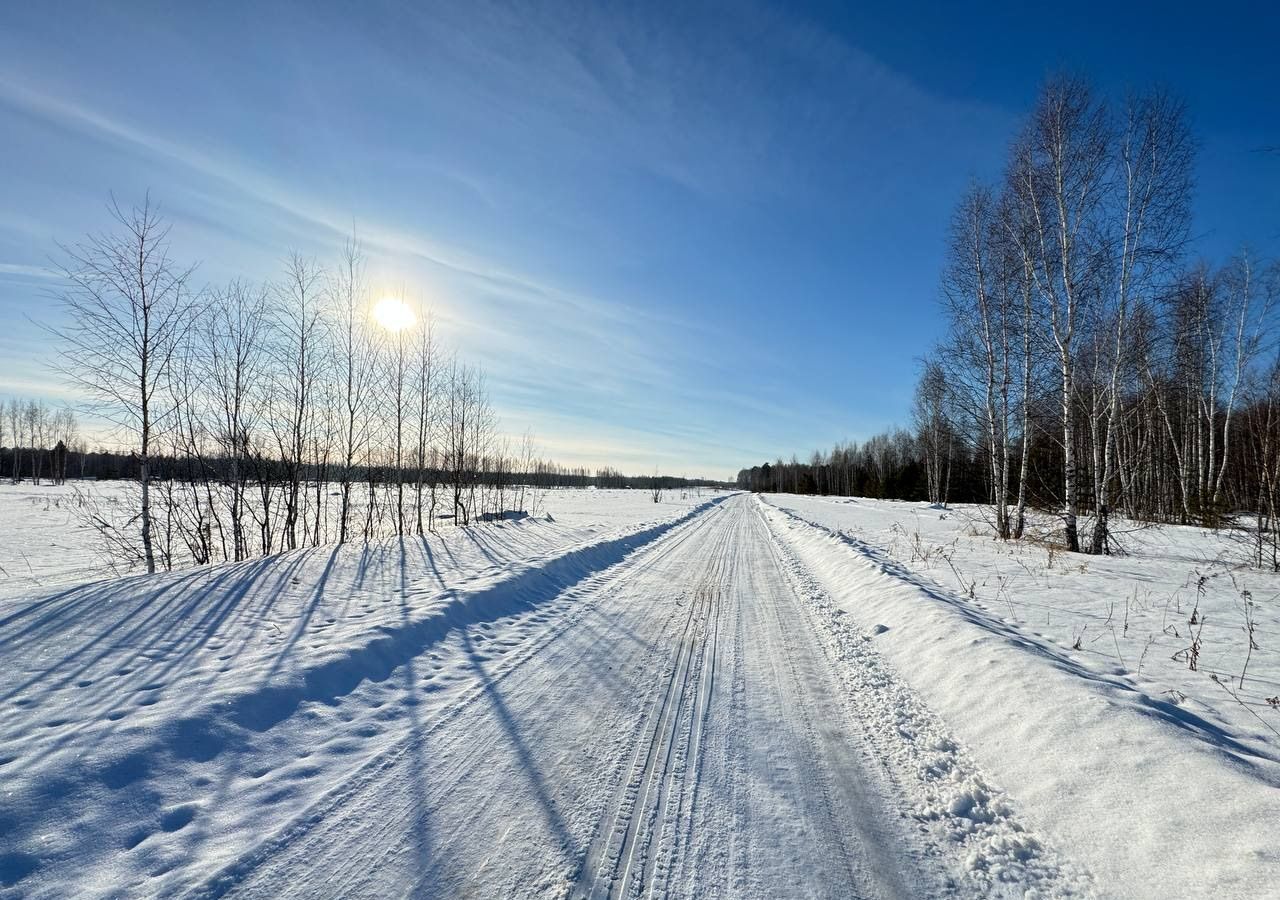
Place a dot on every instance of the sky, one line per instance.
(687, 235)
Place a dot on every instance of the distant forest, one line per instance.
(38, 462)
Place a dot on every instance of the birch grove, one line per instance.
(262, 417)
(1084, 341)
(1090, 363)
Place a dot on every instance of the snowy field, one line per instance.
(45, 543)
(717, 695)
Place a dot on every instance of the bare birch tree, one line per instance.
(1059, 176)
(353, 350)
(235, 343)
(126, 307)
(298, 326)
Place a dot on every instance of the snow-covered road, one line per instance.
(673, 732)
(657, 708)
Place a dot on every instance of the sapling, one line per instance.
(1151, 639)
(1249, 624)
(1077, 642)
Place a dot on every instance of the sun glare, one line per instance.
(393, 314)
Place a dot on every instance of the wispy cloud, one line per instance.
(533, 335)
(242, 178)
(605, 203)
(23, 271)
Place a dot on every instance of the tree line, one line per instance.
(261, 417)
(1091, 364)
(24, 460)
(887, 466)
(38, 441)
(32, 461)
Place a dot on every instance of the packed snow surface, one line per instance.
(711, 696)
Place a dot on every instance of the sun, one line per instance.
(393, 314)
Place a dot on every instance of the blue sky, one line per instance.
(686, 235)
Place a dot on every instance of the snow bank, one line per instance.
(952, 797)
(1157, 798)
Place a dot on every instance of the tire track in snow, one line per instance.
(709, 592)
(784, 657)
(590, 591)
(606, 871)
(680, 725)
(710, 653)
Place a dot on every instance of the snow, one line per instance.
(710, 696)
(152, 720)
(1157, 781)
(43, 543)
